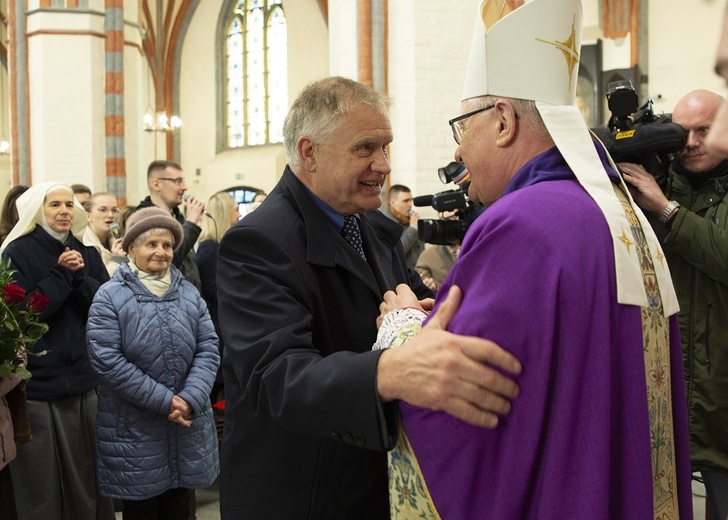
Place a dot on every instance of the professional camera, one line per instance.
(636, 134)
(464, 211)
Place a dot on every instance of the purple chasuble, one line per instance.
(537, 274)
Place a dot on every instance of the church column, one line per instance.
(379, 45)
(18, 91)
(61, 92)
(115, 157)
(372, 42)
(365, 41)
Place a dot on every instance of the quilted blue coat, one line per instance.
(145, 349)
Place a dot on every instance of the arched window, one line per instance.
(256, 73)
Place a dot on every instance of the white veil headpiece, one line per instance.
(31, 214)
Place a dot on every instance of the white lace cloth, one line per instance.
(398, 327)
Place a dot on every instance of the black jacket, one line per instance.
(305, 431)
(65, 370)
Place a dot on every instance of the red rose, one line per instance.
(13, 293)
(38, 303)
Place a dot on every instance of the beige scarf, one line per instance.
(158, 285)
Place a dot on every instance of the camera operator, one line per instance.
(399, 209)
(436, 261)
(689, 214)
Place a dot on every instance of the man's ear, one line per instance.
(508, 123)
(307, 153)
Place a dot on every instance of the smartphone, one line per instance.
(115, 230)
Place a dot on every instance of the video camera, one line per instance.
(449, 231)
(636, 134)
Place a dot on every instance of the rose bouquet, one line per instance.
(19, 325)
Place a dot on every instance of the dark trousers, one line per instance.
(7, 498)
(173, 504)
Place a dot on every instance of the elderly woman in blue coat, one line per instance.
(153, 345)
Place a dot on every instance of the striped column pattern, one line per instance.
(114, 56)
(20, 106)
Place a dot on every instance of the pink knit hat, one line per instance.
(151, 218)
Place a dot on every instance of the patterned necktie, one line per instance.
(351, 234)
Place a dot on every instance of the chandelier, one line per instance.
(162, 123)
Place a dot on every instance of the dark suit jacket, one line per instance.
(305, 431)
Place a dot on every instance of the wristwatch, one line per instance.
(671, 206)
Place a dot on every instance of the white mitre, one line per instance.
(532, 53)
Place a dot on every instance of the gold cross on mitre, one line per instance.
(568, 48)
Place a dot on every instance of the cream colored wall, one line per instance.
(344, 44)
(682, 39)
(258, 166)
(5, 174)
(428, 52)
(66, 78)
(683, 42)
(138, 145)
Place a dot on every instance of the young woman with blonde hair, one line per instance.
(223, 213)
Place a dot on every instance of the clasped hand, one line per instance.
(71, 259)
(179, 411)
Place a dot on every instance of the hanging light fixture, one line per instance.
(162, 123)
(155, 121)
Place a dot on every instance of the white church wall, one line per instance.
(66, 78)
(5, 172)
(138, 145)
(683, 39)
(343, 37)
(428, 50)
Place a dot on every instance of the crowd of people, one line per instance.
(118, 411)
(568, 359)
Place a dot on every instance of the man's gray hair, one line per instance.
(319, 110)
(526, 110)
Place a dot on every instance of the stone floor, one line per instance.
(208, 504)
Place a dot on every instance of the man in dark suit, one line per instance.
(309, 406)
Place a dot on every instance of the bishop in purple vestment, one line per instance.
(563, 271)
(537, 275)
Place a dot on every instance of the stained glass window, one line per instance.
(257, 73)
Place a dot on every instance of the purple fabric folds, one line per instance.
(537, 274)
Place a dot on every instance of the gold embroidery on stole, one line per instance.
(656, 338)
(409, 497)
(408, 493)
